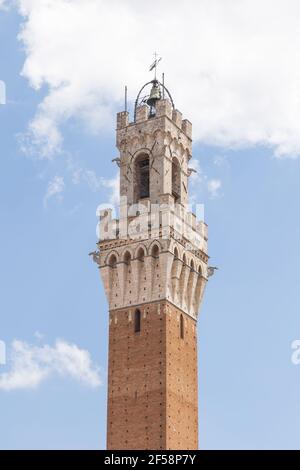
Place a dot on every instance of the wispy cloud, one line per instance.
(38, 335)
(113, 185)
(55, 189)
(75, 209)
(30, 365)
(213, 187)
(200, 180)
(96, 183)
(77, 174)
(3, 5)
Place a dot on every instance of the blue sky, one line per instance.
(248, 387)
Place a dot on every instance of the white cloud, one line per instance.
(233, 67)
(197, 175)
(55, 189)
(3, 5)
(203, 181)
(113, 185)
(38, 335)
(96, 183)
(75, 209)
(214, 187)
(32, 365)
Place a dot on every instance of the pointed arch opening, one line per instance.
(182, 281)
(137, 321)
(181, 327)
(176, 180)
(142, 177)
(155, 271)
(127, 277)
(127, 258)
(190, 284)
(175, 274)
(113, 279)
(198, 291)
(112, 262)
(155, 251)
(141, 254)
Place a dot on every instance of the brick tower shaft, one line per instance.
(152, 381)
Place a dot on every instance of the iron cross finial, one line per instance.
(155, 64)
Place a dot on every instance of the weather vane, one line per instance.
(155, 64)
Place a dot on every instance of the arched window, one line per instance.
(155, 251)
(181, 327)
(127, 258)
(199, 286)
(112, 261)
(176, 183)
(127, 277)
(175, 274)
(142, 177)
(141, 254)
(137, 321)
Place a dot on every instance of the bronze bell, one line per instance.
(155, 94)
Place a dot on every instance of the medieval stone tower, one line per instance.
(153, 263)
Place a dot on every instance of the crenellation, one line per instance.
(187, 128)
(164, 108)
(122, 120)
(142, 113)
(177, 118)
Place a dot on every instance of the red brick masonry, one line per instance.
(152, 380)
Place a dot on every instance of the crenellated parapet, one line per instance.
(143, 222)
